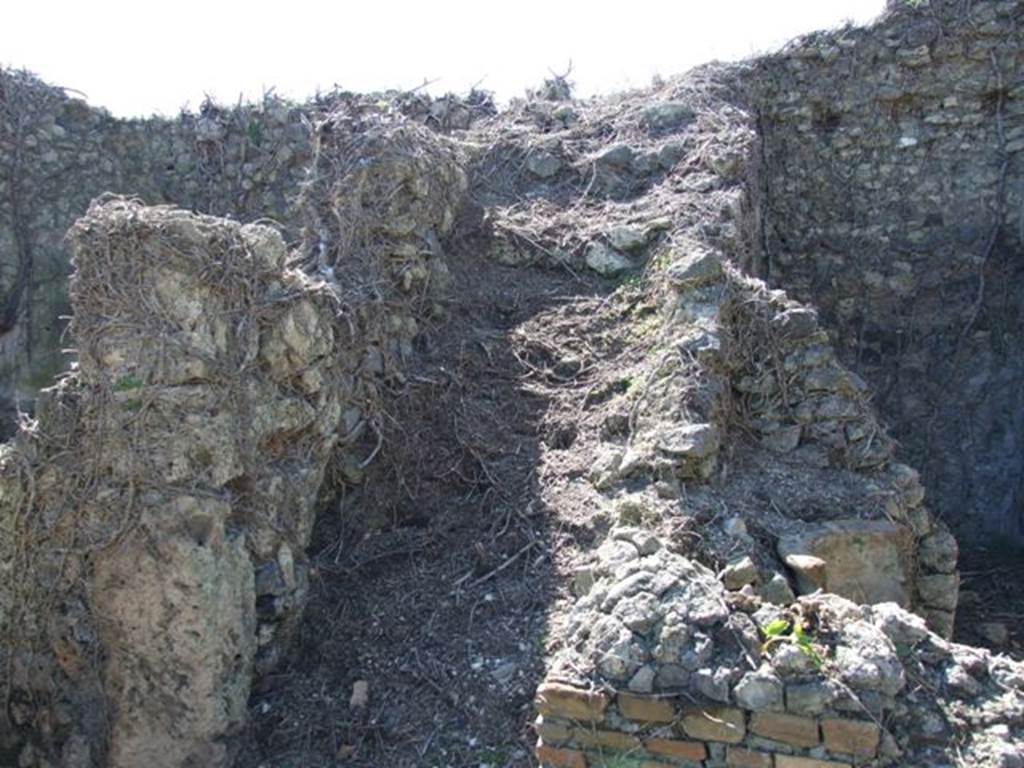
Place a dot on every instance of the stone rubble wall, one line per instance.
(57, 153)
(661, 661)
(892, 198)
(761, 366)
(713, 693)
(794, 394)
(173, 475)
(155, 517)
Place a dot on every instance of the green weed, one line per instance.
(786, 631)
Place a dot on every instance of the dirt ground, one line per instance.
(444, 611)
(990, 592)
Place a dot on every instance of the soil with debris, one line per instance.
(444, 610)
(991, 609)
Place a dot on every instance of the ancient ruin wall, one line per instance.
(892, 198)
(154, 520)
(57, 153)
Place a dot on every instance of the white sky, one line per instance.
(140, 57)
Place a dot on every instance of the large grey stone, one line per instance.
(606, 261)
(866, 561)
(759, 690)
(697, 267)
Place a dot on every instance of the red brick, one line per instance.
(715, 724)
(737, 757)
(623, 742)
(551, 757)
(646, 709)
(681, 750)
(563, 700)
(788, 761)
(851, 737)
(789, 729)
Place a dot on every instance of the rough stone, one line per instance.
(620, 156)
(627, 238)
(810, 698)
(898, 624)
(543, 164)
(606, 261)
(865, 560)
(759, 690)
(713, 683)
(867, 659)
(776, 590)
(939, 552)
(667, 115)
(695, 268)
(939, 590)
(739, 574)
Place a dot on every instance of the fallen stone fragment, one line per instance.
(606, 261)
(360, 695)
(696, 268)
(739, 573)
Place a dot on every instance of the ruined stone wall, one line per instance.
(892, 198)
(57, 153)
(835, 684)
(154, 519)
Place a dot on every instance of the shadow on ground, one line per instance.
(443, 609)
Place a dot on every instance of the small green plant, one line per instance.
(630, 280)
(255, 131)
(786, 631)
(127, 383)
